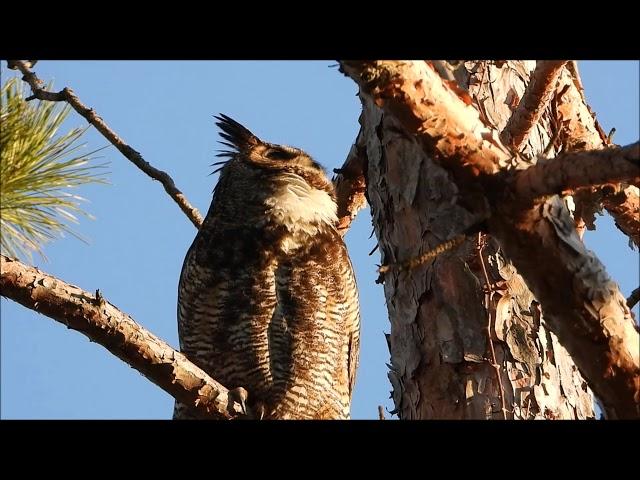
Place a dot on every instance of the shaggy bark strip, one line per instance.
(581, 131)
(624, 207)
(104, 324)
(534, 102)
(570, 171)
(580, 303)
(350, 186)
(67, 95)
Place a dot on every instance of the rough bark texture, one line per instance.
(441, 365)
(535, 101)
(104, 324)
(570, 171)
(350, 187)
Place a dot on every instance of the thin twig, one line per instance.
(494, 364)
(533, 103)
(67, 95)
(425, 257)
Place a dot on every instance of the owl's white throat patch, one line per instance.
(299, 207)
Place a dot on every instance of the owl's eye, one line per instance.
(277, 154)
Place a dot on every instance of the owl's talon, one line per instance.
(238, 395)
(258, 410)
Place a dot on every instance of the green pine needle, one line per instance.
(36, 169)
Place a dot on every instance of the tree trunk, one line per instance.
(444, 365)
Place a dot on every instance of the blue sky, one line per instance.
(137, 242)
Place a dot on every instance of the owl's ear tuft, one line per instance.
(237, 136)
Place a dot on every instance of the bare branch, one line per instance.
(104, 324)
(444, 69)
(570, 171)
(533, 103)
(67, 95)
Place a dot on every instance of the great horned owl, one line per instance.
(267, 297)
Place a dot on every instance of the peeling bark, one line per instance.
(350, 187)
(116, 331)
(624, 207)
(579, 130)
(438, 345)
(581, 304)
(535, 101)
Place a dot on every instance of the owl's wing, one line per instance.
(342, 307)
(352, 318)
(314, 334)
(226, 298)
(201, 294)
(354, 356)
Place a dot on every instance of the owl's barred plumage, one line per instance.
(267, 297)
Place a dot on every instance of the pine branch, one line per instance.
(67, 95)
(104, 324)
